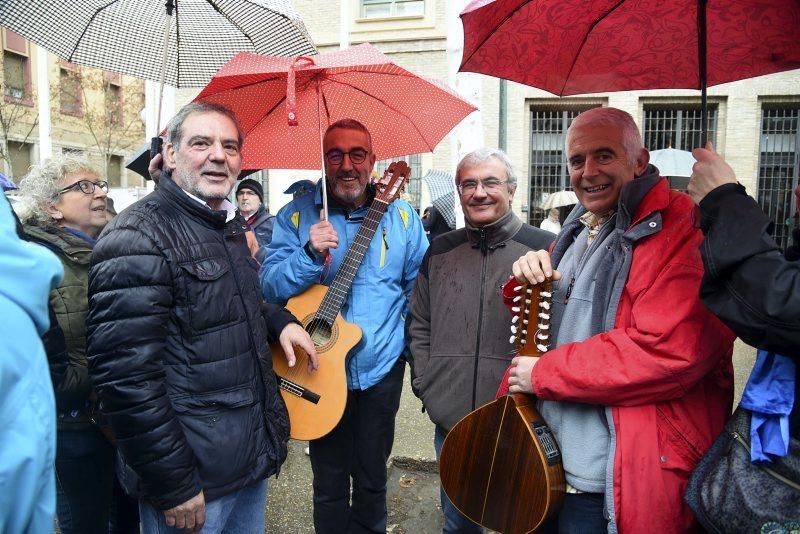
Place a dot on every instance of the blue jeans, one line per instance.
(88, 497)
(357, 447)
(582, 513)
(240, 512)
(454, 521)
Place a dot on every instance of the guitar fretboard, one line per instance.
(340, 288)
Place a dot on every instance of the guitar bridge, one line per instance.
(298, 390)
(547, 441)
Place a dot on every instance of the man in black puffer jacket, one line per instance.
(178, 340)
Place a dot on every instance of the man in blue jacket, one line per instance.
(306, 250)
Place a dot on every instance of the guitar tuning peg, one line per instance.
(512, 339)
(515, 309)
(513, 329)
(544, 326)
(517, 298)
(541, 348)
(514, 319)
(545, 305)
(546, 294)
(524, 332)
(525, 321)
(517, 289)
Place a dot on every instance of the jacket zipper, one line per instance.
(480, 317)
(254, 351)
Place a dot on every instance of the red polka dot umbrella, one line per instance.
(285, 104)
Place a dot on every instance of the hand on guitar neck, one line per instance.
(533, 268)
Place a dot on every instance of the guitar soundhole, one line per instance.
(320, 332)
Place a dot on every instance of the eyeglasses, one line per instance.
(336, 157)
(468, 187)
(85, 186)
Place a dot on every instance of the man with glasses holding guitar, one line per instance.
(309, 248)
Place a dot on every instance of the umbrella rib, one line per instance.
(233, 23)
(585, 38)
(86, 28)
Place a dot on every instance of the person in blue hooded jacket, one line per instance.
(305, 250)
(28, 273)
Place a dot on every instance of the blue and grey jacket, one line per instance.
(378, 299)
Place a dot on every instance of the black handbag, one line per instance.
(729, 494)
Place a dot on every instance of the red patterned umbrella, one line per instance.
(285, 104)
(569, 47)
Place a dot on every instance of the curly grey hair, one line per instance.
(39, 188)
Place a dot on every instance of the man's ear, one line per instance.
(642, 160)
(169, 156)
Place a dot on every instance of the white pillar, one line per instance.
(43, 87)
(468, 135)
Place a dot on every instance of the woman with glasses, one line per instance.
(63, 208)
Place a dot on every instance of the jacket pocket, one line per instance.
(676, 450)
(206, 270)
(221, 429)
(205, 295)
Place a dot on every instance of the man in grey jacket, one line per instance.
(460, 345)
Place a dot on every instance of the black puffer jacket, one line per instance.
(178, 350)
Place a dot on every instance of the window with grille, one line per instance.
(548, 170)
(778, 168)
(393, 8)
(14, 75)
(414, 185)
(677, 127)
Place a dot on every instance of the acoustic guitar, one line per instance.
(500, 465)
(316, 400)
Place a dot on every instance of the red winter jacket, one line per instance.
(664, 370)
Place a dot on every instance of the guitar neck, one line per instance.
(340, 288)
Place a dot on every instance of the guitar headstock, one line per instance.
(393, 181)
(530, 325)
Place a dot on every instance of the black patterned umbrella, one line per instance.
(127, 36)
(443, 194)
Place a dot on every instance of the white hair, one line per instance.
(39, 188)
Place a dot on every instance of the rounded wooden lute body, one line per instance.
(500, 465)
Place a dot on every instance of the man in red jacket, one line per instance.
(640, 378)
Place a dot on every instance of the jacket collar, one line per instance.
(57, 239)
(633, 204)
(182, 201)
(494, 235)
